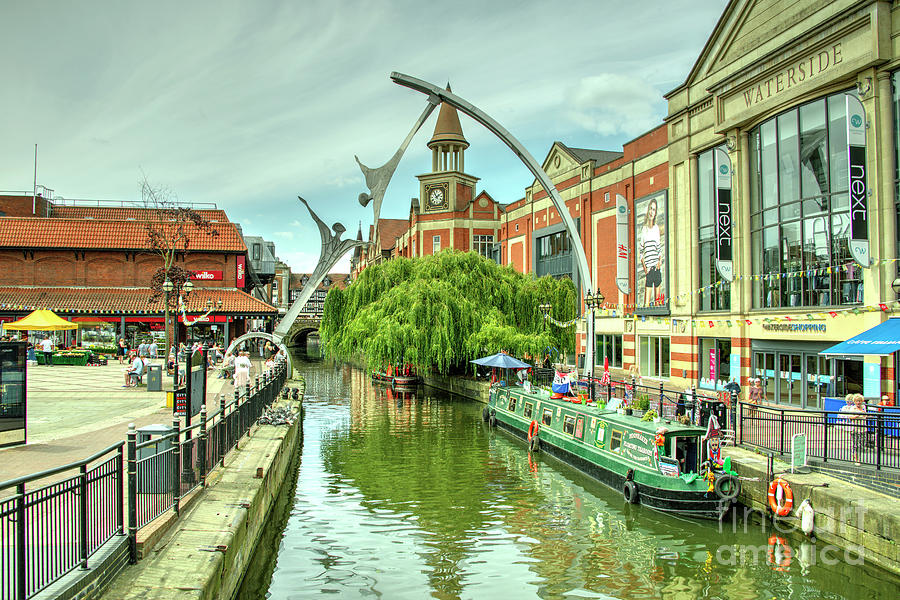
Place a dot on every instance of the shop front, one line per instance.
(870, 352)
(795, 374)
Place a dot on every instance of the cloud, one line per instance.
(612, 104)
(288, 235)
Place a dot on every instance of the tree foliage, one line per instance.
(439, 312)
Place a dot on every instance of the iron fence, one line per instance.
(52, 529)
(870, 438)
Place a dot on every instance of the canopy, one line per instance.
(41, 320)
(879, 341)
(501, 360)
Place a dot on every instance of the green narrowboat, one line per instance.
(659, 465)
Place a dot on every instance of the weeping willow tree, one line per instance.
(438, 312)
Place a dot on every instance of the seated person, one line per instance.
(134, 372)
(227, 368)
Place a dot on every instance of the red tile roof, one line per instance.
(37, 233)
(124, 300)
(121, 213)
(389, 230)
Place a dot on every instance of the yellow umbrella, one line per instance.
(41, 320)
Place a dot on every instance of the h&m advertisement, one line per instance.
(651, 261)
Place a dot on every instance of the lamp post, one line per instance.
(167, 287)
(591, 301)
(895, 285)
(545, 310)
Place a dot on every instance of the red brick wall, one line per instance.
(20, 206)
(103, 269)
(463, 195)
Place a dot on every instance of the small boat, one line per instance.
(396, 380)
(663, 467)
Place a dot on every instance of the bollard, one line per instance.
(238, 430)
(176, 465)
(694, 411)
(201, 443)
(659, 413)
(132, 493)
(731, 413)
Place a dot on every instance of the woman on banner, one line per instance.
(651, 253)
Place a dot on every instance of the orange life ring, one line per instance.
(533, 430)
(782, 510)
(783, 562)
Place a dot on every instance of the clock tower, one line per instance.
(447, 188)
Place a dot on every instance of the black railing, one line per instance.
(55, 528)
(871, 438)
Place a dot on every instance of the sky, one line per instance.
(248, 104)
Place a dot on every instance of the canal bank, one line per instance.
(850, 520)
(206, 553)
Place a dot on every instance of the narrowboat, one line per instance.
(663, 465)
(396, 380)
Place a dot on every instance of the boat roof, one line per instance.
(612, 416)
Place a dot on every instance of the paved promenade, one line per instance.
(74, 411)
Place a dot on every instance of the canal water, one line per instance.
(410, 495)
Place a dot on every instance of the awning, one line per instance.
(881, 340)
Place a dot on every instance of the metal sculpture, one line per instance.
(333, 248)
(377, 180)
(507, 138)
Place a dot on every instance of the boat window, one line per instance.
(569, 425)
(529, 407)
(579, 428)
(615, 441)
(686, 454)
(512, 404)
(547, 417)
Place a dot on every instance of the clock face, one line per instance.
(436, 197)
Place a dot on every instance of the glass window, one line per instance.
(654, 356)
(481, 244)
(529, 408)
(435, 244)
(511, 407)
(715, 359)
(569, 424)
(547, 417)
(799, 209)
(715, 294)
(615, 441)
(609, 346)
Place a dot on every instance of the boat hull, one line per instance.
(696, 503)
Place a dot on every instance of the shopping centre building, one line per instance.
(769, 91)
(90, 262)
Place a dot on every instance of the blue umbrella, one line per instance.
(501, 360)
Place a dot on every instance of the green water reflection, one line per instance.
(410, 495)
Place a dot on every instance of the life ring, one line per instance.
(779, 554)
(779, 487)
(727, 488)
(533, 430)
(534, 444)
(630, 491)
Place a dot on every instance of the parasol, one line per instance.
(41, 320)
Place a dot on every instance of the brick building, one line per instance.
(91, 265)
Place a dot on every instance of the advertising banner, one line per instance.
(859, 200)
(622, 249)
(723, 172)
(651, 260)
(241, 273)
(208, 275)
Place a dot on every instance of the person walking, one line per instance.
(152, 350)
(121, 350)
(856, 413)
(47, 348)
(242, 366)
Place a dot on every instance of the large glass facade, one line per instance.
(655, 356)
(554, 255)
(799, 208)
(608, 346)
(715, 294)
(715, 359)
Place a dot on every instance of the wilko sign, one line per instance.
(207, 275)
(241, 271)
(622, 244)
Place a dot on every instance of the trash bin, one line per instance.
(154, 378)
(154, 462)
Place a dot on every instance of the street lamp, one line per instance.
(545, 310)
(895, 285)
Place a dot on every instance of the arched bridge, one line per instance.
(300, 330)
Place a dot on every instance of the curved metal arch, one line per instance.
(535, 168)
(264, 336)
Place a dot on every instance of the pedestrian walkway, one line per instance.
(75, 411)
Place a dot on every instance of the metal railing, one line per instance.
(870, 438)
(51, 530)
(55, 528)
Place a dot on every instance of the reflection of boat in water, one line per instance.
(409, 381)
(659, 468)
